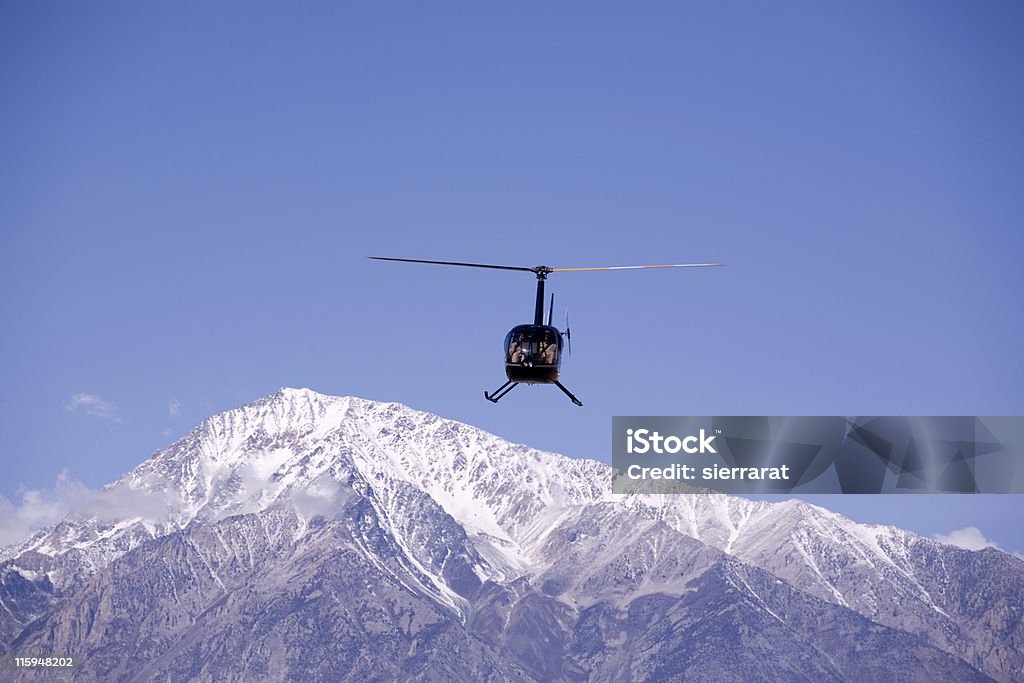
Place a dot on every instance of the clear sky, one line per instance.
(189, 191)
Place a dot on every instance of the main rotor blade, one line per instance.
(453, 263)
(674, 265)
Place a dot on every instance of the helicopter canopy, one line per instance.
(533, 345)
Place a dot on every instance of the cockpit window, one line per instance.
(533, 345)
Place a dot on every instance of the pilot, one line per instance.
(515, 349)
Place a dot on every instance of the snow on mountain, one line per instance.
(294, 446)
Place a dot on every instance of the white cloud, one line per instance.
(174, 408)
(94, 405)
(41, 507)
(37, 508)
(324, 497)
(969, 537)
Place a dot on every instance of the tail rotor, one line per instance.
(567, 334)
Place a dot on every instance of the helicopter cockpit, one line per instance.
(533, 352)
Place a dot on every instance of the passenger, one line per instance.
(547, 350)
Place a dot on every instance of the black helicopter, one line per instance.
(533, 353)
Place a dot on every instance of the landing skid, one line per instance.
(568, 393)
(501, 391)
(508, 386)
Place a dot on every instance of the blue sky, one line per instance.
(189, 193)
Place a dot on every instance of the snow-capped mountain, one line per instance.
(308, 535)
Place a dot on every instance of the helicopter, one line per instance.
(533, 352)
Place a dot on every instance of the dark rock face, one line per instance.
(242, 600)
(23, 600)
(312, 538)
(260, 597)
